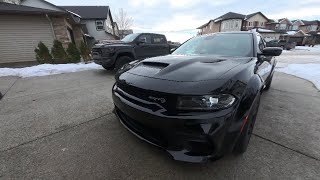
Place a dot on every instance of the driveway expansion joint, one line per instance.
(291, 149)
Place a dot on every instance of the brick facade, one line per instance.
(60, 27)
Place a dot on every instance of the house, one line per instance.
(268, 34)
(299, 37)
(124, 33)
(65, 28)
(255, 20)
(310, 26)
(296, 25)
(116, 30)
(280, 25)
(23, 27)
(98, 21)
(234, 22)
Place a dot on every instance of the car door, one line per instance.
(160, 45)
(143, 47)
(264, 64)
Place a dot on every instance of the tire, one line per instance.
(268, 85)
(244, 139)
(122, 61)
(108, 68)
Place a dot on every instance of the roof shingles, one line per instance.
(89, 12)
(20, 9)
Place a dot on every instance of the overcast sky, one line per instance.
(178, 19)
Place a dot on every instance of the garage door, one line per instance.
(19, 35)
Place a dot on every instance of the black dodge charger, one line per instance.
(201, 101)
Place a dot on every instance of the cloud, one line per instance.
(179, 22)
(298, 13)
(148, 3)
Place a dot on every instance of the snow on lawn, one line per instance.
(47, 69)
(316, 48)
(309, 72)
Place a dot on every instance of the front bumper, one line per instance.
(104, 61)
(186, 137)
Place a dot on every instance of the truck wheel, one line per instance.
(122, 61)
(108, 67)
(243, 141)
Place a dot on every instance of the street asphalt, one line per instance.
(62, 127)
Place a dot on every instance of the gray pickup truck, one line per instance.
(113, 55)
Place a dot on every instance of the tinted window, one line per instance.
(146, 38)
(159, 39)
(129, 38)
(218, 44)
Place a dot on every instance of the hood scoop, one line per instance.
(214, 61)
(155, 64)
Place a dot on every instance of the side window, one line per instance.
(261, 44)
(146, 38)
(158, 39)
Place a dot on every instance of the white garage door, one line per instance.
(20, 34)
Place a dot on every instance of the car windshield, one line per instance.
(218, 44)
(129, 38)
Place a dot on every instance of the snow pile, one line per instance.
(309, 72)
(47, 69)
(307, 48)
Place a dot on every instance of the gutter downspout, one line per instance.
(54, 35)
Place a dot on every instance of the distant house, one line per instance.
(98, 21)
(255, 20)
(23, 27)
(268, 34)
(124, 33)
(234, 22)
(296, 24)
(116, 30)
(280, 25)
(299, 37)
(310, 26)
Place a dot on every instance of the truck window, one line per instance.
(159, 39)
(145, 38)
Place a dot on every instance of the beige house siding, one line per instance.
(212, 27)
(256, 18)
(20, 34)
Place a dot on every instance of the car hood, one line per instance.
(186, 68)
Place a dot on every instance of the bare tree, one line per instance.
(123, 20)
(11, 1)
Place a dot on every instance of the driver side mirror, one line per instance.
(272, 51)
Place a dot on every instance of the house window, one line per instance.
(261, 24)
(283, 26)
(99, 25)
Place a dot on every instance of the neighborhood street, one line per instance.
(62, 127)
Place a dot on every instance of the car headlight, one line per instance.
(207, 102)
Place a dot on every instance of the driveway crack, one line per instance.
(291, 149)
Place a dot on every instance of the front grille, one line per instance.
(169, 105)
(151, 134)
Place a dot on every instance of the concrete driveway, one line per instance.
(62, 127)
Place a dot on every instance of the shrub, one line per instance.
(58, 53)
(73, 53)
(84, 51)
(42, 54)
